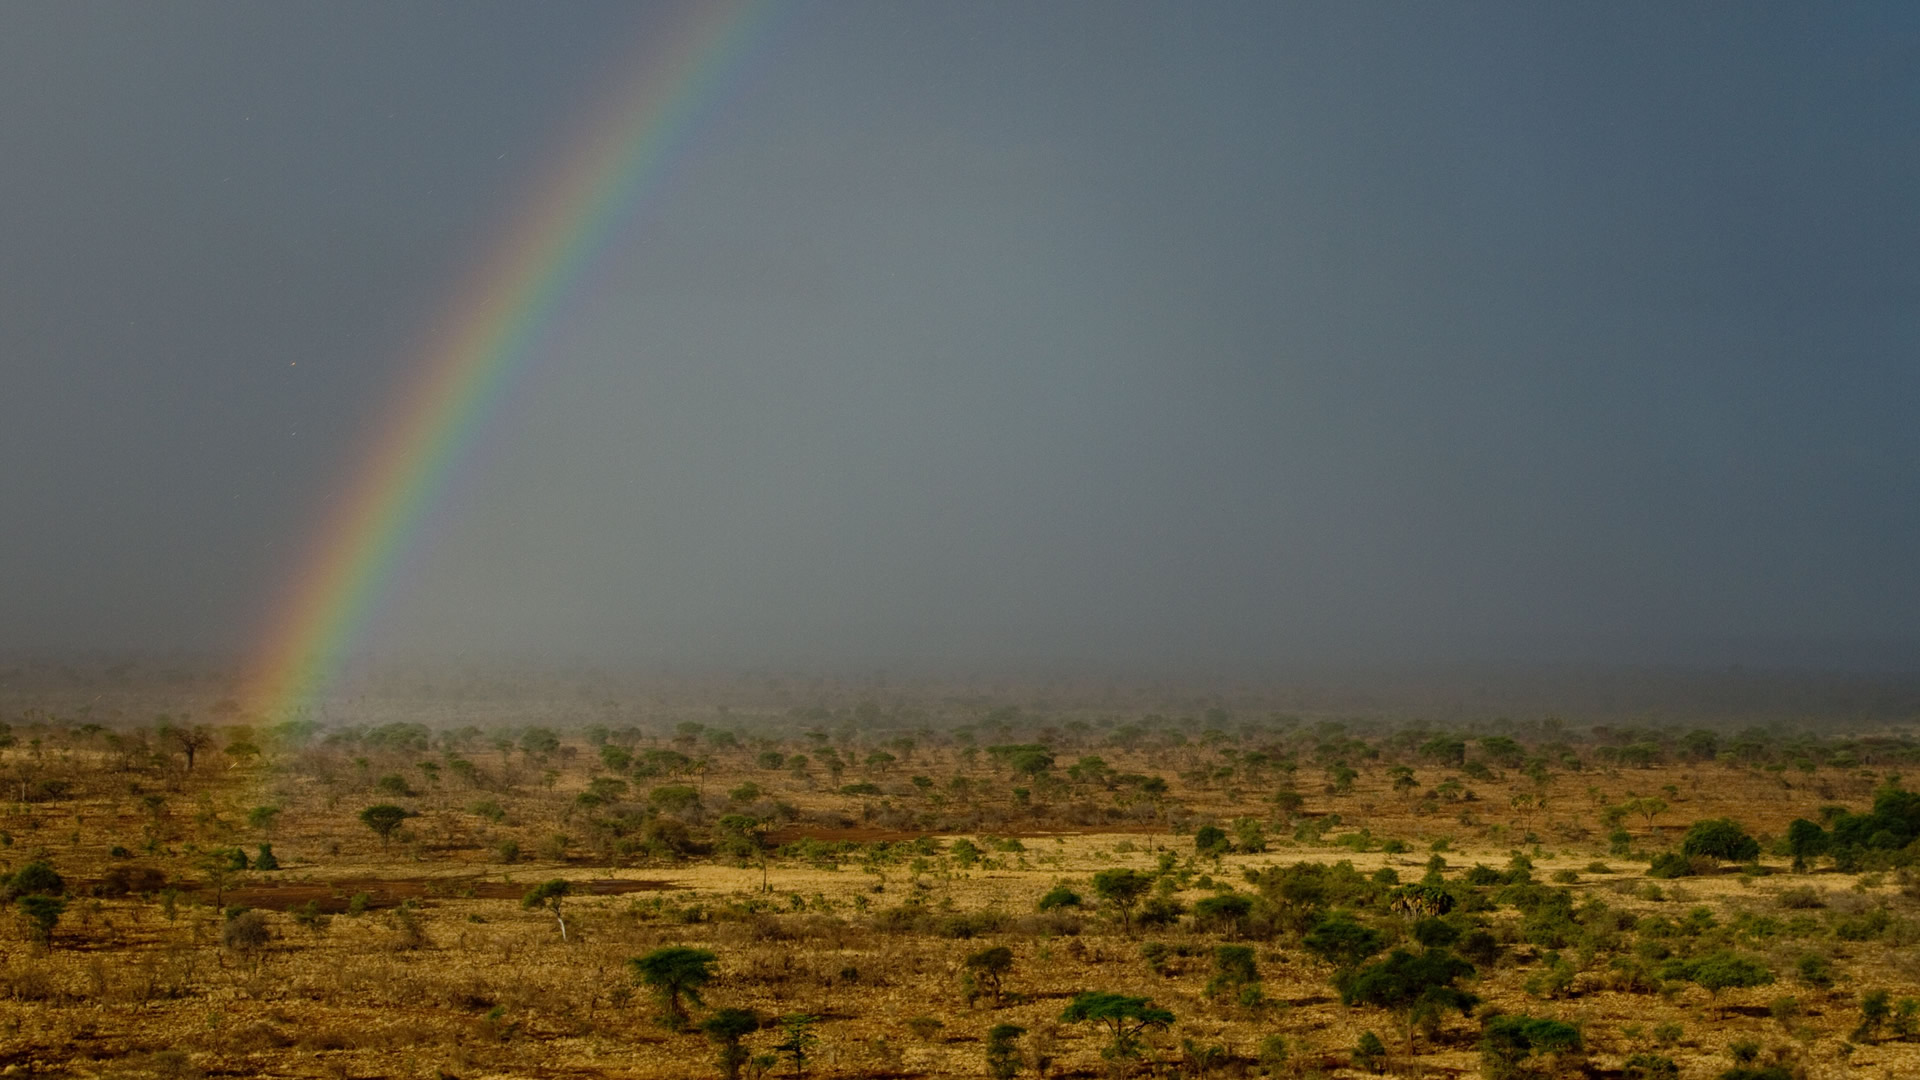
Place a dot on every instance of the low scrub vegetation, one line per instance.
(865, 887)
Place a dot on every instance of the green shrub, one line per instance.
(1225, 913)
(1722, 970)
(1651, 1067)
(1553, 979)
(42, 914)
(1273, 1054)
(1369, 1054)
(1509, 1042)
(1865, 926)
(1003, 1051)
(1480, 947)
(1435, 933)
(1233, 969)
(37, 878)
(1060, 896)
(1412, 984)
(1874, 1011)
(393, 784)
(1211, 840)
(1161, 910)
(1816, 971)
(1670, 864)
(1342, 941)
(1720, 838)
(673, 798)
(1158, 956)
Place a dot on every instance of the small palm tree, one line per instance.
(673, 973)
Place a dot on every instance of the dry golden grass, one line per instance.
(442, 972)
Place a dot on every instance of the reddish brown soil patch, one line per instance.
(334, 896)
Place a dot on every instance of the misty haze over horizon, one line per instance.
(1245, 340)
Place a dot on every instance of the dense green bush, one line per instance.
(1720, 970)
(1482, 876)
(1211, 840)
(1509, 1043)
(1060, 896)
(1370, 1054)
(1404, 980)
(1720, 838)
(1343, 941)
(37, 878)
(1670, 864)
(1651, 1067)
(1226, 913)
(1435, 933)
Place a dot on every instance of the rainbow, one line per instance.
(478, 343)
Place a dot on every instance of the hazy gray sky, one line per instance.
(1239, 335)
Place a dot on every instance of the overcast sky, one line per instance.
(1216, 335)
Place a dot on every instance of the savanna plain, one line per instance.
(803, 877)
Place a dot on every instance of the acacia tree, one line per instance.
(1122, 889)
(987, 967)
(1342, 941)
(37, 877)
(673, 973)
(36, 890)
(726, 1028)
(42, 913)
(1510, 1041)
(1233, 969)
(1722, 970)
(1416, 988)
(550, 895)
(1648, 808)
(797, 1039)
(1125, 1018)
(263, 818)
(383, 819)
(1003, 1051)
(220, 867)
(190, 740)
